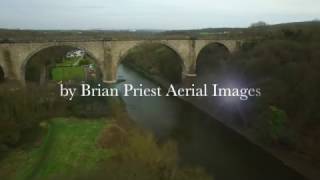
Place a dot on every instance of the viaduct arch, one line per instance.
(2, 76)
(217, 46)
(48, 47)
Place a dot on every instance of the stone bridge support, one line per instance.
(6, 63)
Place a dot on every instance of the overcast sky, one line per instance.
(150, 14)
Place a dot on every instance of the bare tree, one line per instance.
(259, 24)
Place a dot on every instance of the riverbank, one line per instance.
(291, 159)
(106, 148)
(299, 162)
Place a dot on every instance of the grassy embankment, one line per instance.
(69, 144)
(68, 69)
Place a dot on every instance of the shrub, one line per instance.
(138, 156)
(22, 110)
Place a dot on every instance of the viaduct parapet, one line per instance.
(107, 54)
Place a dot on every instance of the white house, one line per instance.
(78, 53)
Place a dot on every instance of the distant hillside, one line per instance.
(13, 35)
(51, 35)
(250, 32)
(307, 24)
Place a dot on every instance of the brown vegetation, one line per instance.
(138, 156)
(285, 65)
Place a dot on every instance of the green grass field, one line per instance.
(68, 73)
(69, 62)
(69, 144)
(68, 70)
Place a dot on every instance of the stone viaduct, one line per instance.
(107, 54)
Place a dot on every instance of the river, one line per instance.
(202, 140)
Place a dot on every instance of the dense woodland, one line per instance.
(285, 64)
